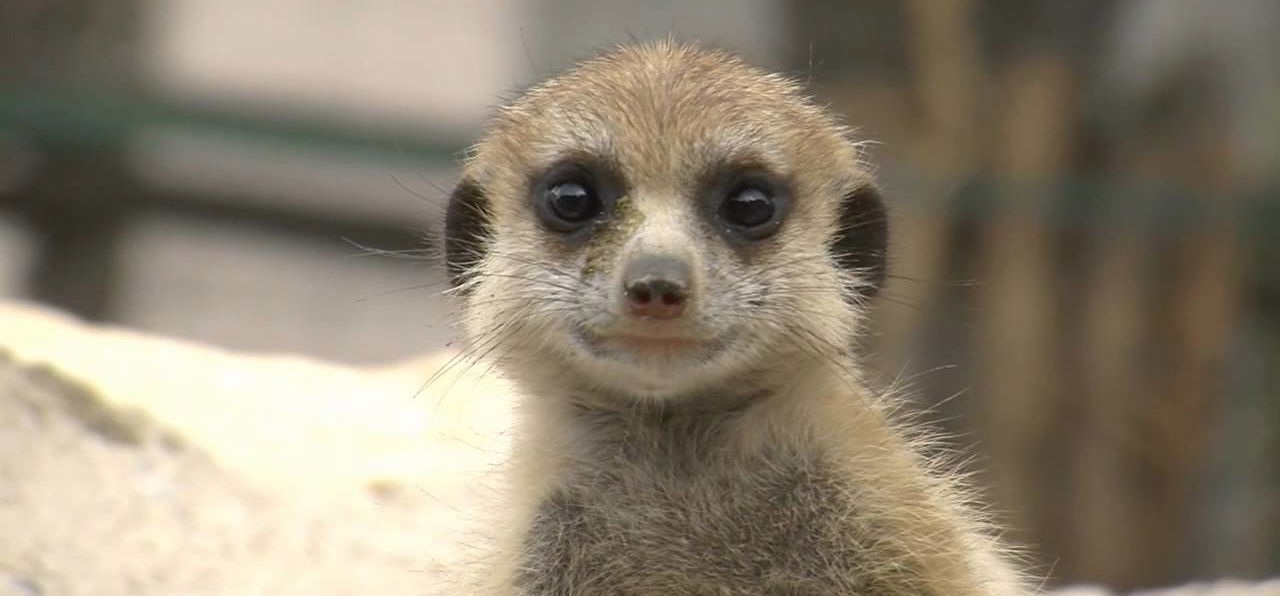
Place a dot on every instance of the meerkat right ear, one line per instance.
(861, 243)
(466, 230)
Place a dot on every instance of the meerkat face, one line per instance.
(663, 221)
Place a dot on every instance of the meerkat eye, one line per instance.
(750, 208)
(573, 202)
(567, 205)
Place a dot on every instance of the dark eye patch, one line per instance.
(745, 202)
(575, 193)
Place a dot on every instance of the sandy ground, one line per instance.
(141, 466)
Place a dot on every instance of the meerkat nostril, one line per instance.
(639, 294)
(672, 298)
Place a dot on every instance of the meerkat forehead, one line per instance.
(664, 114)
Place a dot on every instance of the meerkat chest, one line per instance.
(671, 525)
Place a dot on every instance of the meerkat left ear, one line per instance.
(861, 243)
(466, 230)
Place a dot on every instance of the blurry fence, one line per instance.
(1115, 352)
(80, 188)
(1088, 257)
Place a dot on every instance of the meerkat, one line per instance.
(669, 253)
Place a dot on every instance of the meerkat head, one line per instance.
(662, 222)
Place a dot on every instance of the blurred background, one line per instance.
(1087, 280)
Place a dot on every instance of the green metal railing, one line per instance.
(94, 120)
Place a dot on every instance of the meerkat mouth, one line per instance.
(642, 343)
(630, 344)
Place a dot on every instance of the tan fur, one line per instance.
(668, 464)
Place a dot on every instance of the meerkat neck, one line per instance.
(713, 426)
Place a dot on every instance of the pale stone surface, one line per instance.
(146, 466)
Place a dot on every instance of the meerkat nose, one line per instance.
(656, 287)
